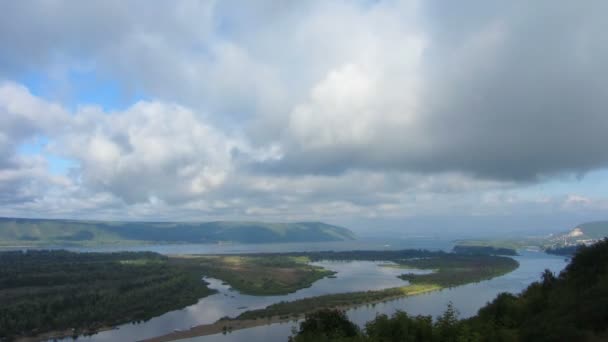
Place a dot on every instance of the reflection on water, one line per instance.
(351, 276)
(467, 299)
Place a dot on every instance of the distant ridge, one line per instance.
(582, 234)
(593, 230)
(50, 232)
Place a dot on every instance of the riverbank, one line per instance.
(60, 294)
(248, 275)
(228, 325)
(448, 271)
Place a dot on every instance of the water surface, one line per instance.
(429, 243)
(467, 299)
(351, 276)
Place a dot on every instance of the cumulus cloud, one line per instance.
(304, 109)
(23, 118)
(485, 89)
(151, 149)
(171, 152)
(507, 99)
(160, 160)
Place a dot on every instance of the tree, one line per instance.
(447, 325)
(325, 325)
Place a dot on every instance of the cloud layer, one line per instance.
(303, 109)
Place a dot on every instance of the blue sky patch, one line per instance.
(81, 88)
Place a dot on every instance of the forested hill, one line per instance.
(45, 232)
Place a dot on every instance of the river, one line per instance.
(351, 276)
(467, 300)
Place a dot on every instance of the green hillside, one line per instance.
(44, 232)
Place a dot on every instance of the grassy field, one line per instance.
(259, 275)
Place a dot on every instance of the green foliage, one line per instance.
(325, 325)
(261, 275)
(400, 327)
(43, 291)
(449, 270)
(570, 307)
(454, 269)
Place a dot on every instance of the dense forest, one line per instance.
(43, 291)
(570, 307)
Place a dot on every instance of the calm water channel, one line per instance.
(351, 276)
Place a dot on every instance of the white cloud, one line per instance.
(151, 149)
(305, 109)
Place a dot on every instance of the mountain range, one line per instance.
(50, 232)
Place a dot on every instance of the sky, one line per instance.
(385, 116)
